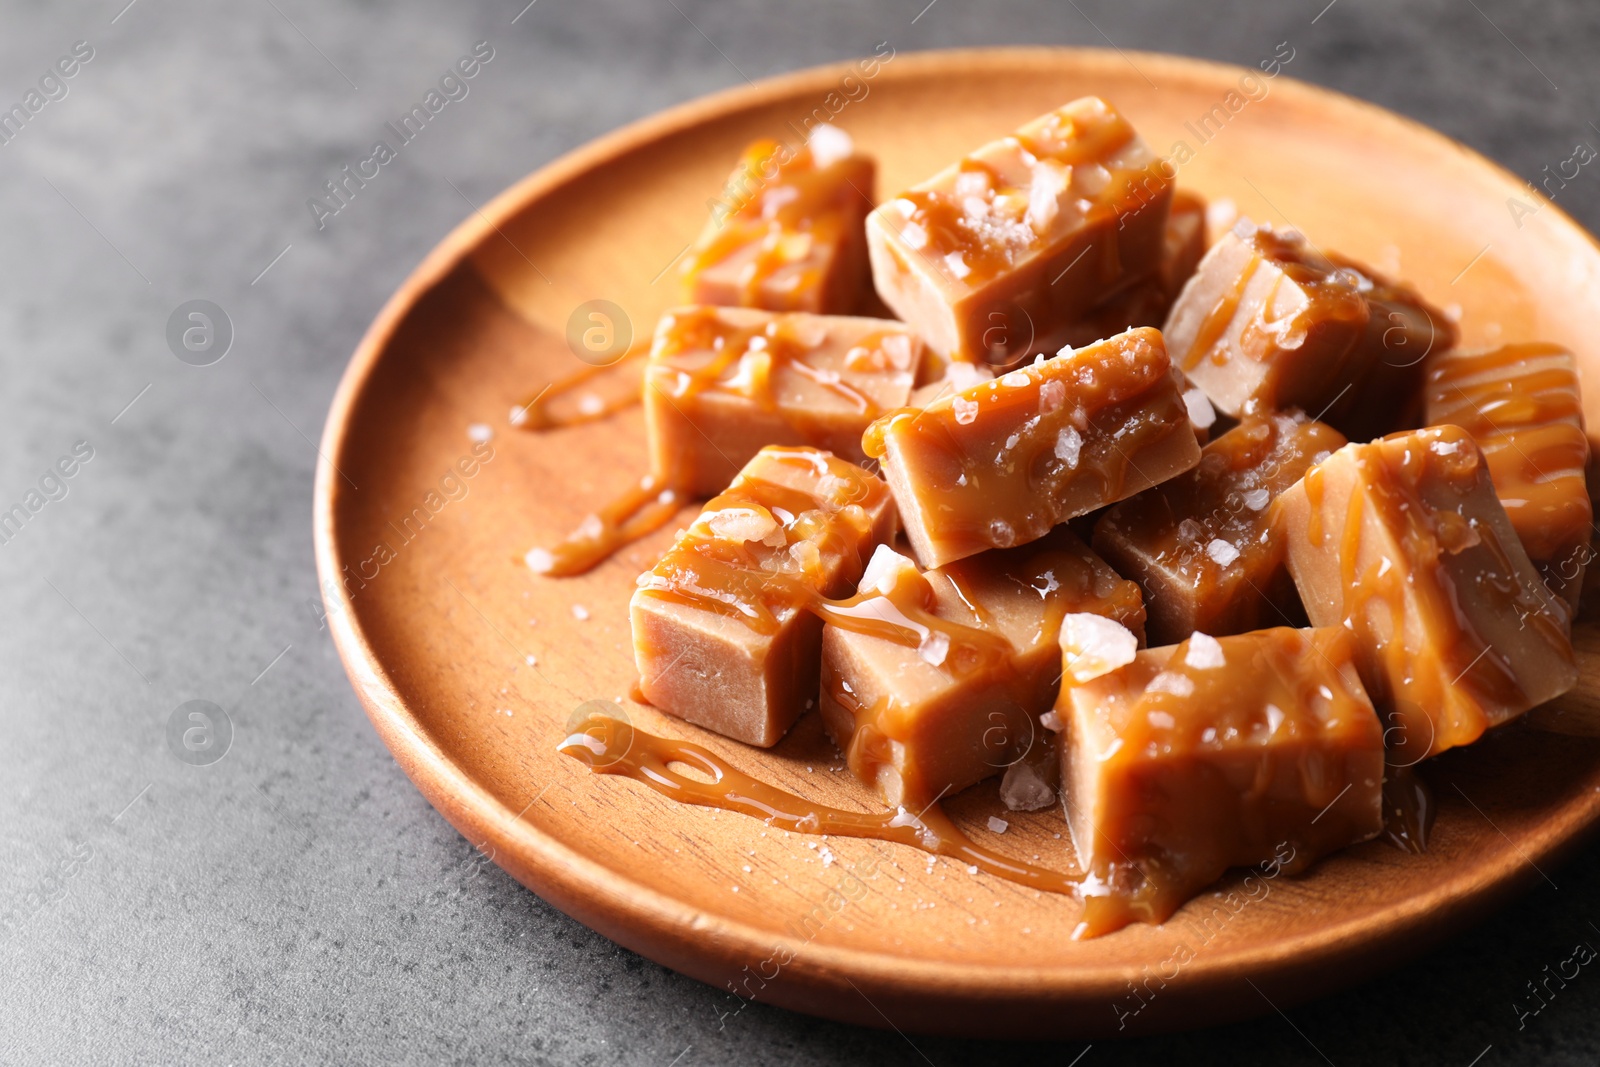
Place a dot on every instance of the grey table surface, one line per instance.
(298, 900)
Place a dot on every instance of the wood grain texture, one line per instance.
(438, 624)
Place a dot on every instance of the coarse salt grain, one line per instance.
(1205, 652)
(1095, 645)
(1201, 413)
(1221, 552)
(1168, 682)
(1069, 445)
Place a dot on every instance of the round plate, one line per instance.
(470, 666)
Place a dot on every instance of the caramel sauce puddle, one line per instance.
(608, 745)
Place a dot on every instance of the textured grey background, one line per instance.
(298, 901)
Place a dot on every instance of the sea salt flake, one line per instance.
(998, 825)
(1170, 682)
(742, 524)
(480, 431)
(1221, 552)
(1094, 645)
(1052, 395)
(1201, 413)
(1256, 499)
(884, 569)
(1069, 445)
(829, 144)
(966, 410)
(580, 612)
(1205, 653)
(1024, 788)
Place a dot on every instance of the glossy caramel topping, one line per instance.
(702, 351)
(610, 746)
(1216, 693)
(1016, 196)
(975, 626)
(1270, 322)
(1420, 618)
(1214, 753)
(539, 412)
(749, 358)
(640, 511)
(993, 463)
(1204, 543)
(1334, 294)
(1522, 405)
(785, 205)
(760, 550)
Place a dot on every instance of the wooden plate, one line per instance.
(470, 666)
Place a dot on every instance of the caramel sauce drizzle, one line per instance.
(1341, 300)
(1521, 405)
(794, 206)
(609, 745)
(534, 414)
(1160, 723)
(993, 239)
(906, 615)
(745, 361)
(1426, 536)
(1120, 411)
(1228, 496)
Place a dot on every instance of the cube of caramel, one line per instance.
(1522, 405)
(1203, 545)
(1403, 543)
(1259, 748)
(991, 258)
(787, 232)
(1003, 462)
(724, 634)
(933, 682)
(1269, 323)
(723, 382)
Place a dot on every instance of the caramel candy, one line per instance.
(1203, 545)
(723, 382)
(983, 259)
(1403, 543)
(933, 682)
(1521, 403)
(1260, 748)
(1269, 323)
(788, 235)
(723, 629)
(1001, 463)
